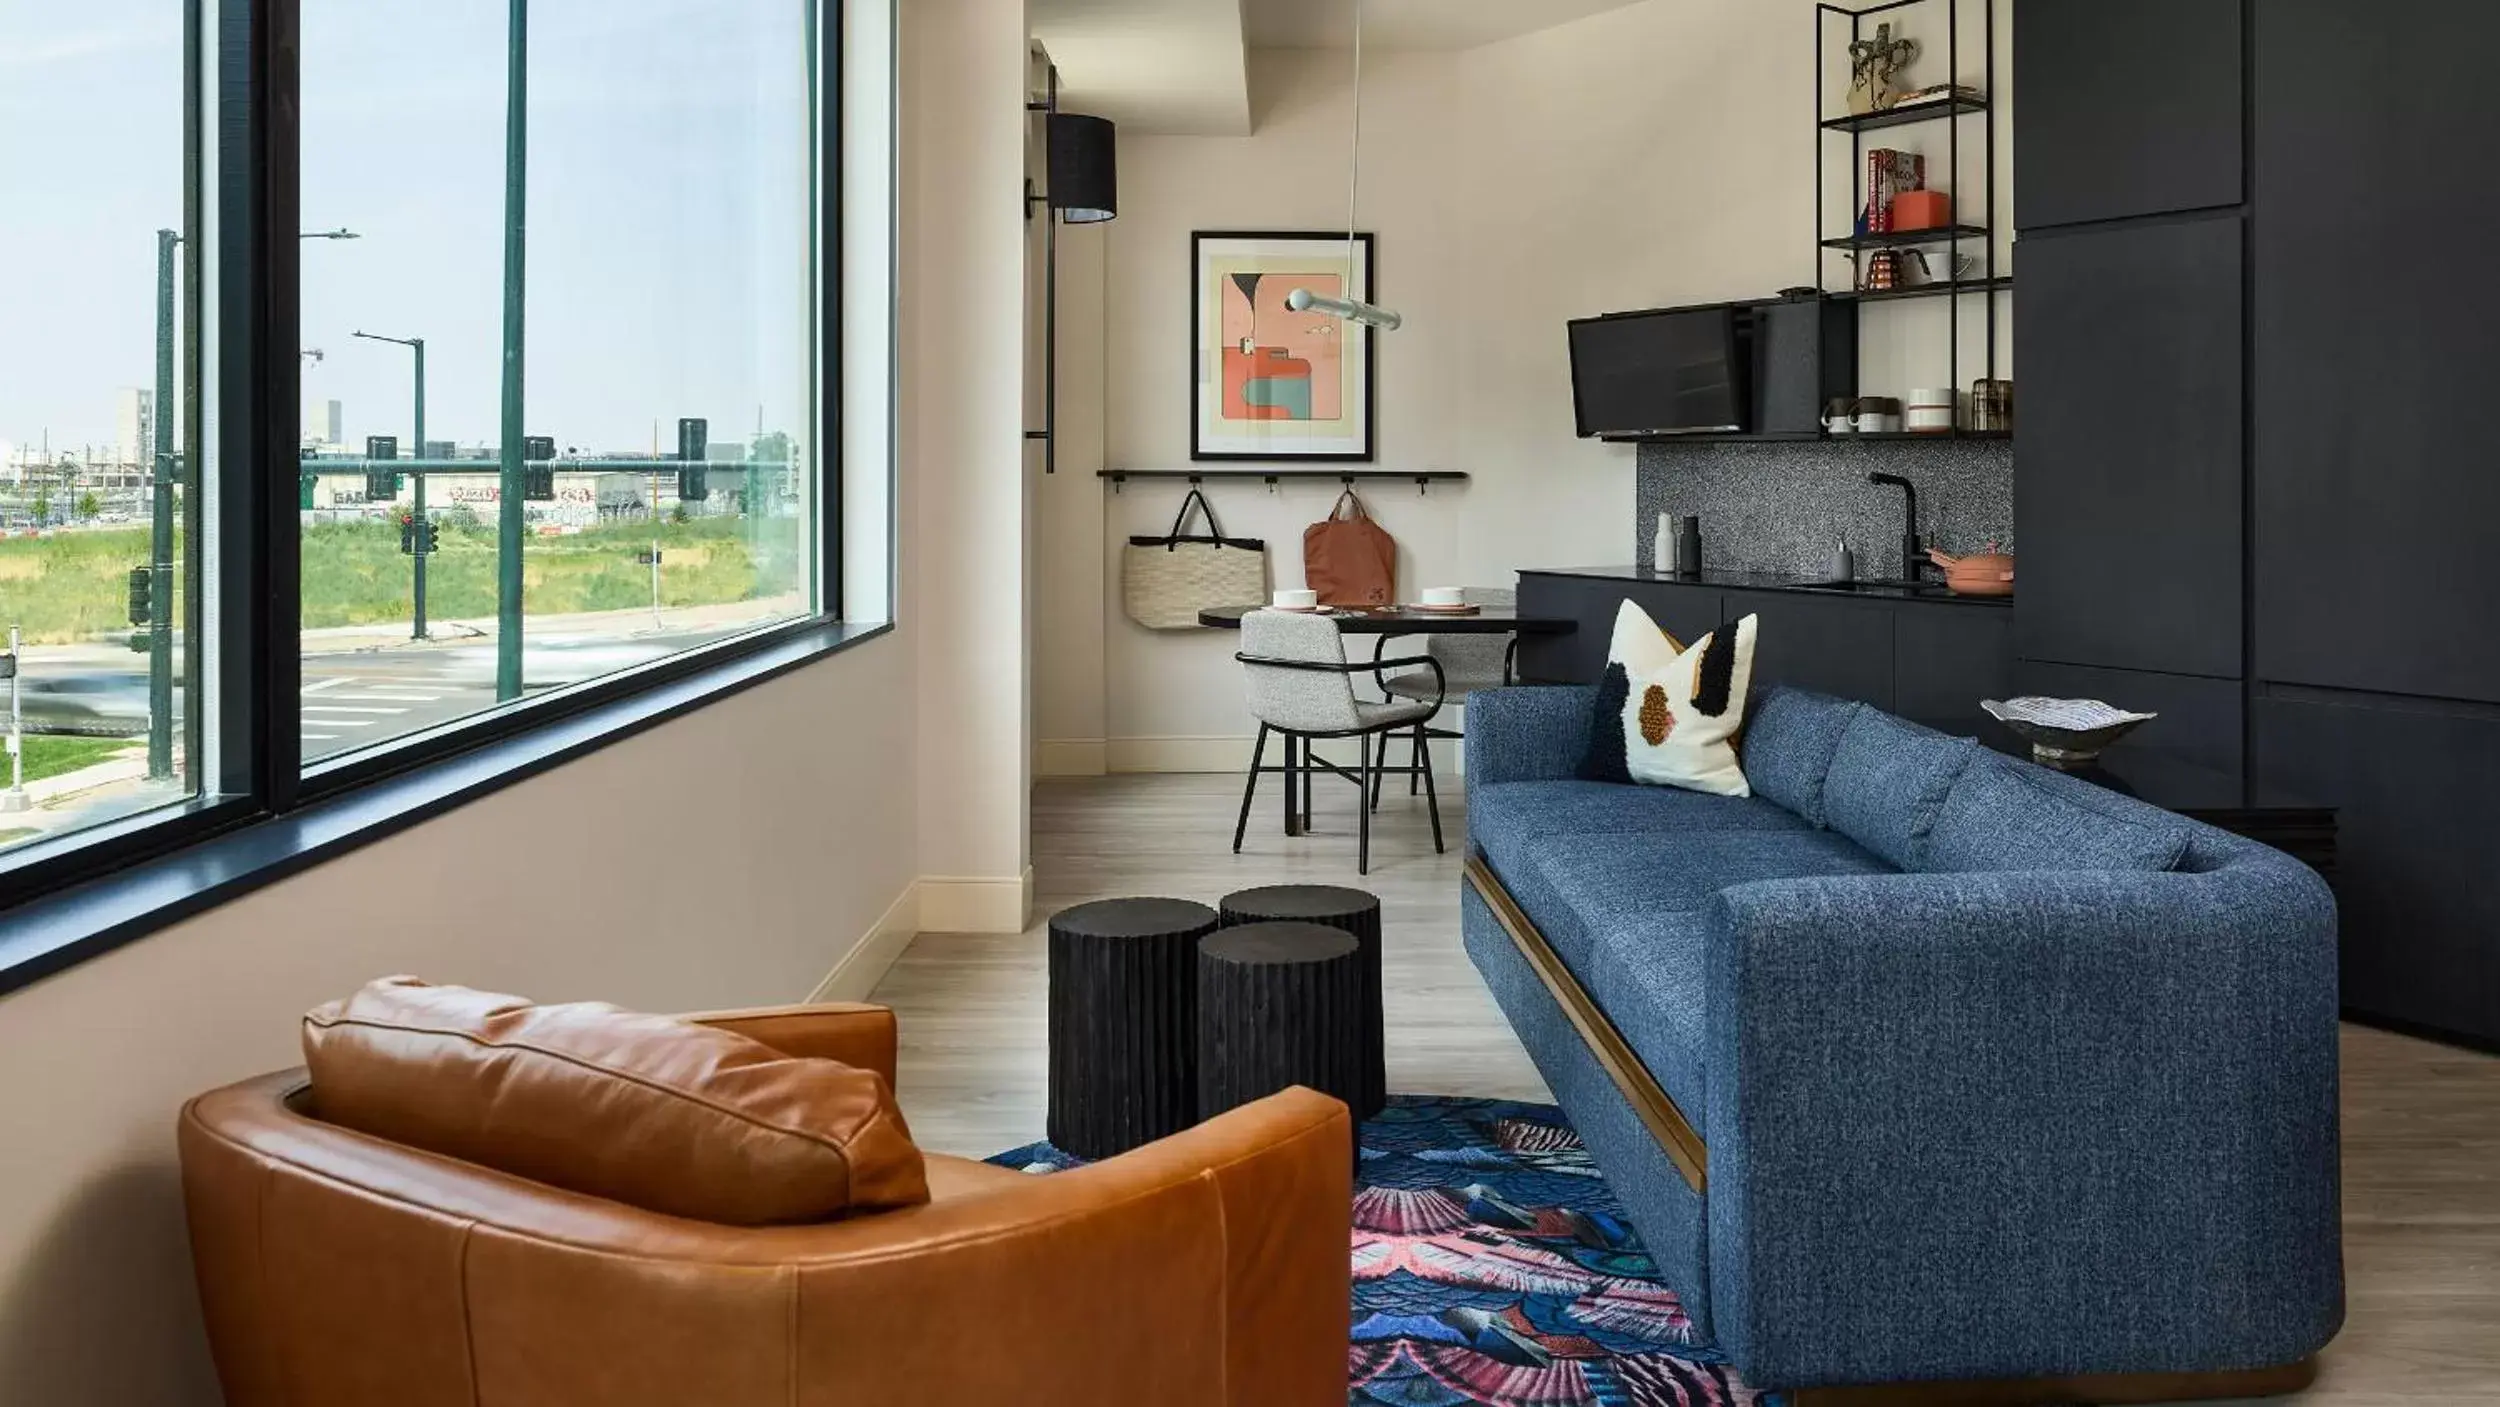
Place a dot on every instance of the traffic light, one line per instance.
(382, 484)
(407, 534)
(538, 475)
(142, 593)
(433, 536)
(693, 446)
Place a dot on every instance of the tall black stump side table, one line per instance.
(1124, 1023)
(1332, 906)
(1280, 1004)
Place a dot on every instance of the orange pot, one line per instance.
(1989, 573)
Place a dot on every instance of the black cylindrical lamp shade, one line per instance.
(1084, 168)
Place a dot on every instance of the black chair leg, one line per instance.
(1307, 771)
(1258, 754)
(1432, 797)
(1373, 780)
(1414, 777)
(1362, 812)
(1293, 815)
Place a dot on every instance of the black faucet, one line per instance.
(1913, 560)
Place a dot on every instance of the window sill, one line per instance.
(61, 930)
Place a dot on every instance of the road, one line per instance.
(352, 698)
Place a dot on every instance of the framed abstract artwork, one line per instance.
(1267, 382)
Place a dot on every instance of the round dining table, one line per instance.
(1406, 620)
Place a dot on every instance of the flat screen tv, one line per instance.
(1667, 373)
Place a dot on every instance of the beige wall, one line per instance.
(1657, 154)
(785, 838)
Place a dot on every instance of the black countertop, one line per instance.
(1924, 593)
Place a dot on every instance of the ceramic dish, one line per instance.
(2065, 733)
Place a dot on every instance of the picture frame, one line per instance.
(1269, 384)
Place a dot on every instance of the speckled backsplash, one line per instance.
(1783, 507)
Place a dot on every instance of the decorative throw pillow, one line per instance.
(1667, 714)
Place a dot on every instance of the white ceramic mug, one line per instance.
(1296, 600)
(1445, 596)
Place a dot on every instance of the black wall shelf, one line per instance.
(1807, 437)
(1904, 116)
(1903, 239)
(1927, 290)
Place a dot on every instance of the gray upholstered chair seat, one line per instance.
(1422, 686)
(1390, 715)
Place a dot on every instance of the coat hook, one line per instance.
(1423, 486)
(1271, 484)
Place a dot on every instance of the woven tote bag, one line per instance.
(1166, 581)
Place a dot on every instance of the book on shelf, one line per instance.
(1888, 174)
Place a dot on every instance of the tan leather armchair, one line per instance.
(336, 1268)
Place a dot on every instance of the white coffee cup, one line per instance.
(1296, 600)
(1445, 596)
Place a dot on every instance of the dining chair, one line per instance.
(1302, 687)
(1468, 663)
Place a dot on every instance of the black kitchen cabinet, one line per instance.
(2134, 107)
(1686, 612)
(1834, 647)
(2375, 330)
(2128, 510)
(2418, 892)
(1945, 661)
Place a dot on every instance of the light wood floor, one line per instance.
(2421, 1122)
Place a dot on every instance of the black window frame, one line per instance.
(260, 811)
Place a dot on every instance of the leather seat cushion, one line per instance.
(649, 1111)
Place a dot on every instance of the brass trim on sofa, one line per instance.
(1666, 1122)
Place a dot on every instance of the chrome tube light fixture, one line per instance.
(1303, 300)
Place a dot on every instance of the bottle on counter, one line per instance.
(1662, 546)
(1688, 546)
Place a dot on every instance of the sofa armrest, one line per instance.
(855, 1033)
(2086, 1119)
(1529, 734)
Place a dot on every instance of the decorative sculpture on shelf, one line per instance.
(1874, 64)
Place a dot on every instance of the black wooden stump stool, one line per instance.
(1331, 906)
(1281, 1004)
(1124, 1023)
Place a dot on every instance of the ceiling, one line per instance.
(1408, 24)
(1181, 66)
(1168, 66)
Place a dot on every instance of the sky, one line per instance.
(666, 199)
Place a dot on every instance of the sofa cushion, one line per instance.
(656, 1113)
(1888, 781)
(1623, 912)
(1789, 744)
(2000, 816)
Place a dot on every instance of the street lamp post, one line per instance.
(161, 514)
(417, 547)
(515, 245)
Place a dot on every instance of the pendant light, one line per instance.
(1303, 300)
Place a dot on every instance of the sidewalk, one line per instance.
(624, 623)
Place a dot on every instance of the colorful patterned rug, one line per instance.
(1492, 1268)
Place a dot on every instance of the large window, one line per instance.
(98, 488)
(587, 349)
(459, 371)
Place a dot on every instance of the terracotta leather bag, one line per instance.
(1349, 559)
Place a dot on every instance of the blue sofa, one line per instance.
(1924, 1064)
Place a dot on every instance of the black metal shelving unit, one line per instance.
(1949, 112)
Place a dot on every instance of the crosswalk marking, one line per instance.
(350, 708)
(388, 696)
(320, 685)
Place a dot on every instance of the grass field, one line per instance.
(75, 586)
(50, 757)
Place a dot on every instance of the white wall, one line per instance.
(783, 841)
(1657, 154)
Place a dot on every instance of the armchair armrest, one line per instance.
(1528, 734)
(2087, 1119)
(855, 1033)
(1210, 1267)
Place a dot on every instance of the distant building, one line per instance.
(333, 425)
(134, 426)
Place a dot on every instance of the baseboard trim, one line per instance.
(1177, 755)
(865, 965)
(971, 904)
(2277, 1381)
(1071, 757)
